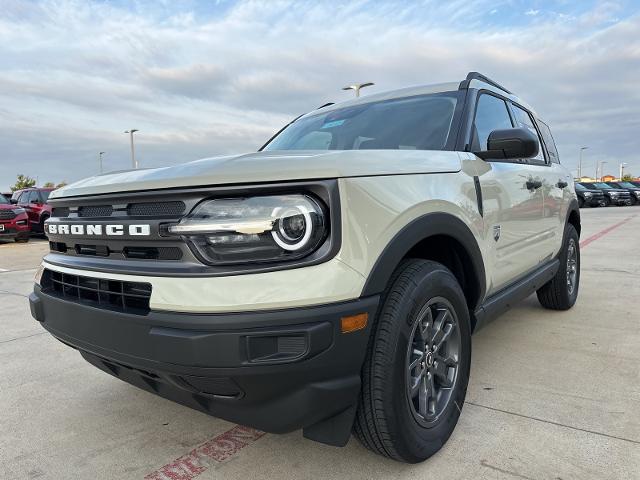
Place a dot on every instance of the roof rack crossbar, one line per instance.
(483, 78)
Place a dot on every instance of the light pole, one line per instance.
(580, 162)
(601, 169)
(357, 86)
(622, 165)
(100, 160)
(134, 163)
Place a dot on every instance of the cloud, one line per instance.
(199, 79)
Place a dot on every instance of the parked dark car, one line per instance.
(34, 201)
(588, 197)
(612, 196)
(633, 190)
(14, 222)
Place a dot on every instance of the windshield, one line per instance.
(3, 199)
(422, 122)
(627, 185)
(580, 187)
(603, 186)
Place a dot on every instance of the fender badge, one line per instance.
(496, 232)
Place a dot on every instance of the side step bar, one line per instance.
(503, 300)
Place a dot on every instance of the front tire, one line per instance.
(416, 372)
(606, 202)
(561, 292)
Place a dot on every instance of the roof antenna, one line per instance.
(357, 86)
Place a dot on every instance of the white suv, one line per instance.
(330, 281)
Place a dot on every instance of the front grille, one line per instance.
(7, 215)
(148, 209)
(129, 297)
(95, 211)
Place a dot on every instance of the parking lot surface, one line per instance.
(553, 395)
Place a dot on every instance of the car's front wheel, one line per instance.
(606, 202)
(416, 372)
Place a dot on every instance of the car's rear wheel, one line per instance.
(43, 219)
(416, 372)
(561, 292)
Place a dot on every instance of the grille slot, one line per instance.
(153, 253)
(156, 209)
(96, 250)
(129, 297)
(95, 211)
(7, 215)
(60, 212)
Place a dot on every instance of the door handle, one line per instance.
(533, 184)
(562, 184)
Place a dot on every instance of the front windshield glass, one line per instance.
(421, 122)
(603, 186)
(627, 185)
(580, 187)
(3, 199)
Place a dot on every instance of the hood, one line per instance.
(272, 166)
(7, 206)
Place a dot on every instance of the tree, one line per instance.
(23, 182)
(627, 177)
(61, 184)
(49, 185)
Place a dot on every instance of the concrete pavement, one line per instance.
(552, 395)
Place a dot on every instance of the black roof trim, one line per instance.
(483, 78)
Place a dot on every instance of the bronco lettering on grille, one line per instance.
(109, 230)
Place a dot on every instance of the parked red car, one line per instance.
(14, 222)
(34, 201)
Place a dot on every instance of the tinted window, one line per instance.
(524, 120)
(3, 199)
(627, 185)
(549, 142)
(413, 123)
(590, 186)
(491, 114)
(603, 186)
(580, 187)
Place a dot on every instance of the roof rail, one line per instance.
(483, 78)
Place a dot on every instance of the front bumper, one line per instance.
(18, 227)
(277, 371)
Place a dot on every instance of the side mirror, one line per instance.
(14, 201)
(510, 143)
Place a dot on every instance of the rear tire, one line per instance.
(415, 375)
(561, 292)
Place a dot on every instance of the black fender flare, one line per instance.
(410, 235)
(573, 207)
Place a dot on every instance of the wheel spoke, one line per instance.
(441, 372)
(423, 397)
(424, 325)
(419, 357)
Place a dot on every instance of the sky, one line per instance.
(200, 79)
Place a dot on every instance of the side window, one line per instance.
(31, 197)
(491, 114)
(549, 142)
(524, 120)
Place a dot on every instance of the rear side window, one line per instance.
(549, 142)
(491, 114)
(524, 120)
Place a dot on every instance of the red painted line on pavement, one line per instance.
(602, 233)
(199, 459)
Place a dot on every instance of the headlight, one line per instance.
(587, 194)
(614, 194)
(255, 229)
(637, 192)
(19, 211)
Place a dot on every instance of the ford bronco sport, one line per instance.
(332, 280)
